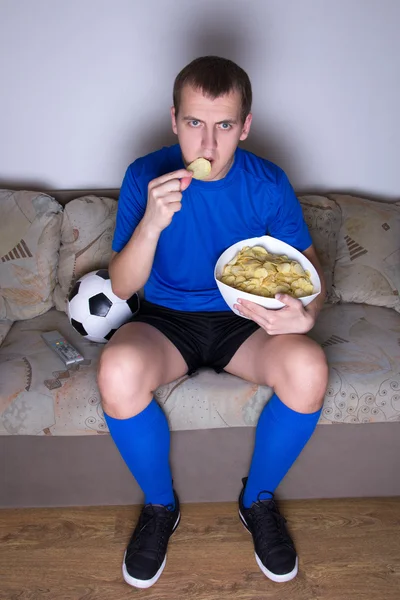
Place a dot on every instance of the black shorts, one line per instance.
(203, 338)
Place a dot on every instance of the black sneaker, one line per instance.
(146, 554)
(274, 549)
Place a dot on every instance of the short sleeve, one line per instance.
(287, 222)
(131, 208)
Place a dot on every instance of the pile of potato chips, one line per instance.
(256, 271)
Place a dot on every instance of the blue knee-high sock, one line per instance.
(281, 435)
(144, 442)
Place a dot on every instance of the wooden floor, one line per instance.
(348, 549)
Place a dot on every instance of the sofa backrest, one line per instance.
(361, 264)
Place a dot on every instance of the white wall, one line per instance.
(86, 86)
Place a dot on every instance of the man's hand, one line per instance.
(292, 318)
(164, 199)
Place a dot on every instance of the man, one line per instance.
(170, 231)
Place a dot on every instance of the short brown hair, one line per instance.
(214, 76)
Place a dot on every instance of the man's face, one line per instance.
(210, 129)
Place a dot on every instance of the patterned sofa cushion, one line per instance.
(362, 346)
(39, 396)
(89, 222)
(324, 218)
(86, 236)
(367, 268)
(30, 225)
(5, 326)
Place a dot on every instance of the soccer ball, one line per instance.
(95, 311)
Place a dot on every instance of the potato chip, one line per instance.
(260, 272)
(228, 279)
(256, 271)
(259, 250)
(237, 270)
(240, 279)
(283, 268)
(201, 167)
(269, 266)
(298, 269)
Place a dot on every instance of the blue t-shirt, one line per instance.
(255, 198)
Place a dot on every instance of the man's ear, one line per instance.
(173, 120)
(246, 127)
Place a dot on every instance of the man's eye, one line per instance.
(225, 126)
(194, 123)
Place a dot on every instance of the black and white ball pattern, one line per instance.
(95, 311)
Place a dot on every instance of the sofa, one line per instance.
(55, 446)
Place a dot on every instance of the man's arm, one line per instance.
(316, 305)
(130, 268)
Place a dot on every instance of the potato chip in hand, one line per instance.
(201, 167)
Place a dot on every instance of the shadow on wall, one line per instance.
(230, 35)
(33, 185)
(222, 33)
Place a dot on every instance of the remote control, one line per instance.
(64, 350)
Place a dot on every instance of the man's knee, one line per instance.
(121, 374)
(305, 371)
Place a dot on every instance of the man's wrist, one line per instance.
(315, 307)
(148, 230)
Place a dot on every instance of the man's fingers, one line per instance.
(171, 198)
(256, 309)
(264, 318)
(175, 206)
(180, 174)
(259, 319)
(288, 300)
(255, 312)
(172, 185)
(185, 182)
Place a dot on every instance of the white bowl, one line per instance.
(273, 246)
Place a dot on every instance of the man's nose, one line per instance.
(209, 140)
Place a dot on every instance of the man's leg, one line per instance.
(295, 366)
(134, 363)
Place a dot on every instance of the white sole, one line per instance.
(274, 576)
(267, 572)
(146, 583)
(141, 583)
